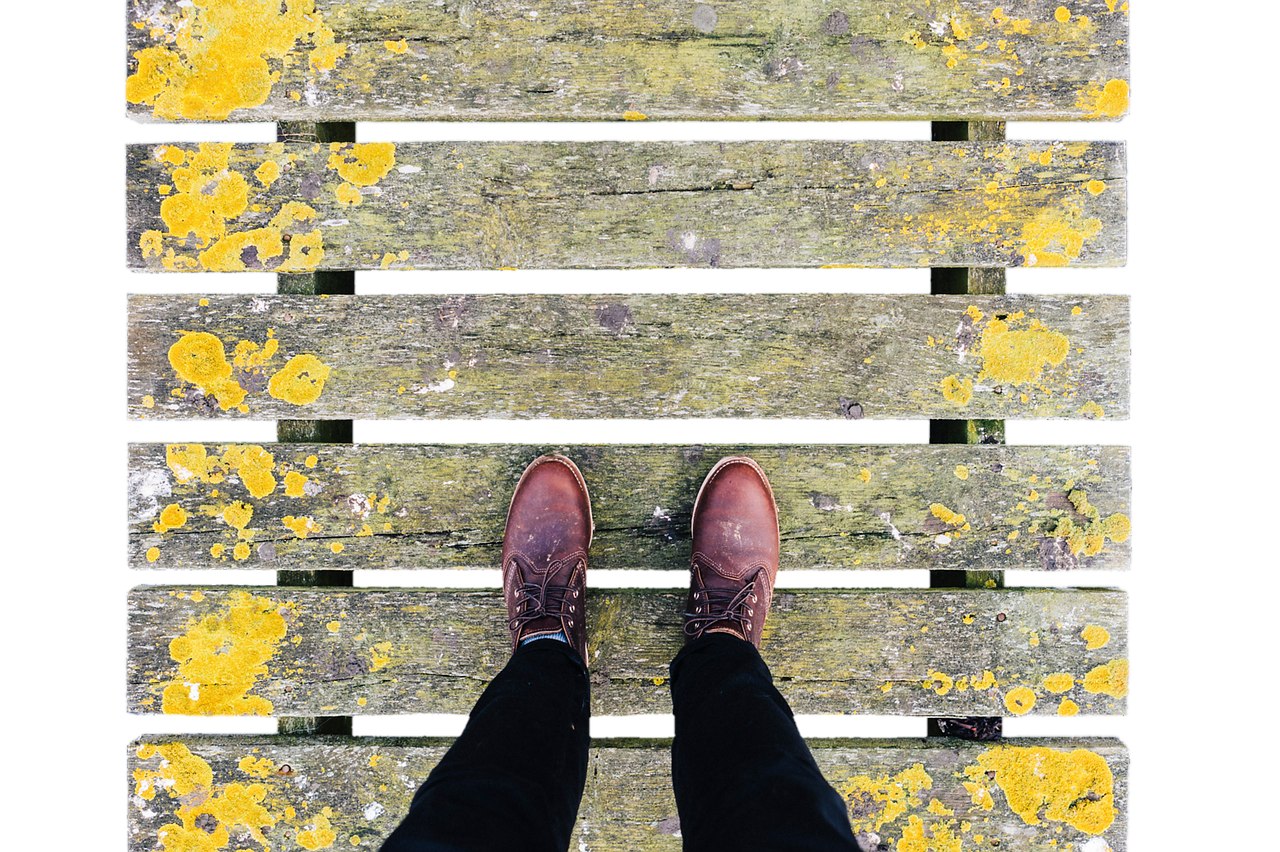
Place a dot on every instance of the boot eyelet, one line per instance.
(571, 622)
(571, 609)
(750, 611)
(748, 625)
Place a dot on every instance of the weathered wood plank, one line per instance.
(636, 356)
(556, 205)
(411, 506)
(661, 59)
(354, 792)
(938, 652)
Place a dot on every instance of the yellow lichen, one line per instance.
(294, 483)
(200, 359)
(301, 527)
(400, 46)
(171, 517)
(1059, 682)
(180, 773)
(1109, 679)
(311, 461)
(380, 655)
(883, 799)
(1068, 708)
(1018, 357)
(1019, 701)
(237, 514)
(217, 551)
(864, 475)
(255, 467)
(153, 553)
(1095, 187)
(267, 173)
(945, 515)
(301, 381)
(222, 54)
(1074, 787)
(320, 834)
(240, 551)
(961, 472)
(258, 767)
(347, 194)
(1062, 14)
(1116, 527)
(362, 164)
(222, 656)
(337, 547)
(1110, 100)
(1094, 636)
(939, 682)
(957, 390)
(632, 115)
(151, 243)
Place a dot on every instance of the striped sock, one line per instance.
(559, 636)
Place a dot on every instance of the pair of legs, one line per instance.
(744, 779)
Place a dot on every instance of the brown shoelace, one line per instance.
(714, 605)
(544, 600)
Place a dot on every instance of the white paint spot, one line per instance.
(373, 810)
(893, 531)
(943, 539)
(938, 28)
(1031, 260)
(409, 170)
(1096, 844)
(753, 378)
(335, 223)
(437, 387)
(359, 504)
(311, 488)
(689, 240)
(193, 690)
(660, 513)
(655, 172)
(259, 306)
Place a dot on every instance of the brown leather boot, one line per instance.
(735, 552)
(544, 553)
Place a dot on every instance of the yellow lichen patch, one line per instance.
(1057, 235)
(319, 834)
(1110, 100)
(209, 193)
(1062, 14)
(1116, 527)
(258, 767)
(336, 547)
(222, 656)
(1091, 410)
(267, 173)
(240, 551)
(939, 682)
(347, 194)
(397, 47)
(1095, 187)
(180, 774)
(237, 514)
(961, 472)
(306, 250)
(945, 515)
(171, 517)
(200, 359)
(1019, 701)
(864, 475)
(1018, 357)
(987, 681)
(957, 390)
(221, 54)
(1074, 787)
(938, 838)
(248, 355)
(362, 164)
(151, 243)
(218, 551)
(311, 461)
(1068, 708)
(153, 553)
(255, 467)
(301, 527)
(301, 381)
(632, 115)
(1109, 679)
(294, 483)
(1094, 636)
(380, 655)
(1059, 682)
(333, 626)
(883, 799)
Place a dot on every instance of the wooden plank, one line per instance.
(938, 652)
(557, 205)
(661, 59)
(354, 792)
(413, 506)
(635, 356)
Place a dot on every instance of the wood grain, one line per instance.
(759, 356)
(921, 652)
(661, 59)
(363, 787)
(626, 205)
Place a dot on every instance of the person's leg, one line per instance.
(743, 776)
(514, 778)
